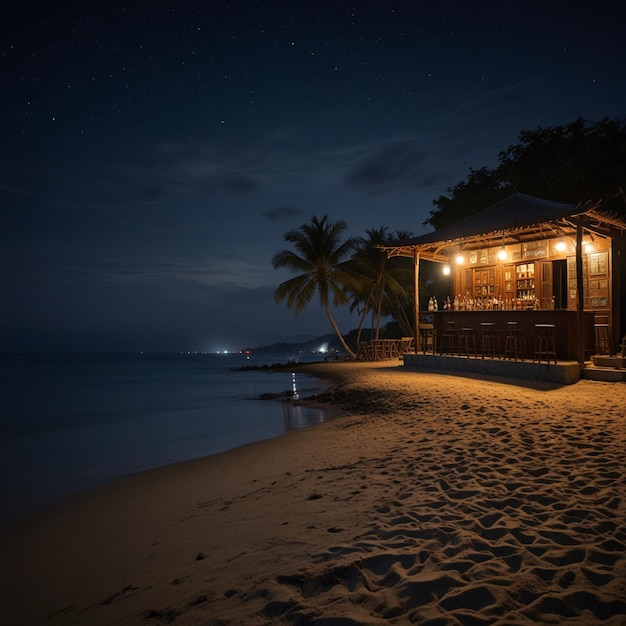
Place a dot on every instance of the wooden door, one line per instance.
(545, 286)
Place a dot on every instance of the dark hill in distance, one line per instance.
(324, 343)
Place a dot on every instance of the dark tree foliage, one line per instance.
(481, 189)
(573, 164)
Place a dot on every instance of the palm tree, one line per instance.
(401, 290)
(382, 290)
(319, 259)
(369, 263)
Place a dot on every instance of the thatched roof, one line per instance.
(515, 219)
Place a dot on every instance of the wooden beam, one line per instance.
(618, 252)
(580, 303)
(416, 321)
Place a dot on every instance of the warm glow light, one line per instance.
(460, 259)
(502, 253)
(560, 245)
(446, 269)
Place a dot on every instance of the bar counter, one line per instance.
(564, 322)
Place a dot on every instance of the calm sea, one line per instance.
(72, 422)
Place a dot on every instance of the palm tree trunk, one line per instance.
(360, 328)
(349, 352)
(379, 316)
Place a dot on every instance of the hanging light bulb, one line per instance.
(446, 270)
(502, 251)
(560, 245)
(460, 259)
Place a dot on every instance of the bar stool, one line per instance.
(449, 339)
(603, 339)
(467, 337)
(514, 345)
(427, 337)
(490, 340)
(545, 343)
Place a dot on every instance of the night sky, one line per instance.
(155, 153)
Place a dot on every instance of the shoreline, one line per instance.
(102, 436)
(432, 497)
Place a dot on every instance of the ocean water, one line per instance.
(71, 422)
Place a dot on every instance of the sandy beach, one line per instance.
(434, 500)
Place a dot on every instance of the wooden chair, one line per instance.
(365, 352)
(406, 345)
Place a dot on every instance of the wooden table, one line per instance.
(383, 349)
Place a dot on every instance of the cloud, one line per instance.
(210, 168)
(399, 164)
(13, 189)
(495, 98)
(198, 273)
(240, 183)
(281, 212)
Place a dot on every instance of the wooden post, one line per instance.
(580, 302)
(416, 322)
(617, 250)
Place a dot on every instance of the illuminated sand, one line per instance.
(440, 500)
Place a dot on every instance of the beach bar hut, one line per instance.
(527, 261)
